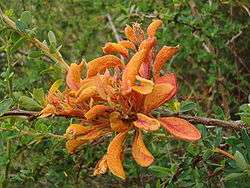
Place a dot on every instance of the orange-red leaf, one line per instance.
(73, 77)
(96, 111)
(139, 151)
(101, 63)
(180, 128)
(165, 54)
(116, 123)
(152, 28)
(131, 70)
(110, 48)
(146, 123)
(160, 94)
(114, 153)
(143, 86)
(101, 167)
(127, 44)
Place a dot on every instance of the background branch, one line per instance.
(234, 125)
(57, 57)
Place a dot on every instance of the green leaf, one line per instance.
(233, 176)
(246, 141)
(240, 160)
(5, 105)
(17, 44)
(159, 171)
(26, 17)
(35, 54)
(21, 26)
(187, 106)
(52, 38)
(29, 103)
(39, 96)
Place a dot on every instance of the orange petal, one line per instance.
(129, 32)
(127, 44)
(101, 167)
(55, 86)
(180, 128)
(86, 94)
(143, 86)
(148, 44)
(96, 110)
(152, 28)
(139, 33)
(101, 63)
(139, 151)
(75, 130)
(72, 145)
(73, 77)
(146, 123)
(131, 70)
(160, 94)
(48, 111)
(110, 48)
(116, 123)
(165, 54)
(114, 153)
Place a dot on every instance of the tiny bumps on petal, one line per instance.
(110, 48)
(152, 28)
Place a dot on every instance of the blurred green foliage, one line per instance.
(213, 73)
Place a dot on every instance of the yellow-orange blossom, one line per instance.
(118, 96)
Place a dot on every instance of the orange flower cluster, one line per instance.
(117, 96)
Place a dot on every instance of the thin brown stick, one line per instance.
(57, 57)
(234, 125)
(117, 36)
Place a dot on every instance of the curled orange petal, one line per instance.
(114, 153)
(129, 32)
(101, 167)
(165, 54)
(101, 63)
(180, 128)
(75, 130)
(139, 33)
(86, 94)
(152, 28)
(146, 123)
(116, 123)
(96, 111)
(48, 111)
(131, 70)
(148, 44)
(143, 86)
(73, 145)
(160, 94)
(139, 151)
(110, 48)
(73, 77)
(127, 44)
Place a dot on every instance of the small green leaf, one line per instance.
(240, 160)
(17, 44)
(39, 96)
(233, 176)
(246, 141)
(35, 54)
(159, 171)
(29, 103)
(52, 38)
(26, 17)
(21, 26)
(187, 106)
(5, 105)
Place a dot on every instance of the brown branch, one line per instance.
(234, 125)
(117, 36)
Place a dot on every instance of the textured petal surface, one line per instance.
(73, 77)
(180, 128)
(127, 44)
(129, 32)
(131, 70)
(86, 94)
(110, 48)
(165, 54)
(139, 151)
(72, 145)
(146, 123)
(101, 167)
(75, 130)
(96, 111)
(101, 63)
(114, 153)
(116, 123)
(143, 86)
(152, 28)
(161, 93)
